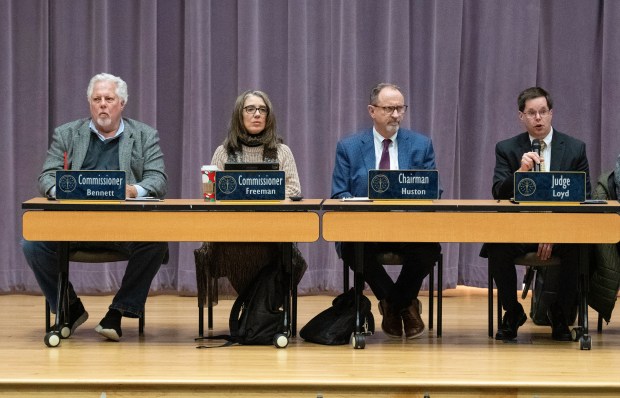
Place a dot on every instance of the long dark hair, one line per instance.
(236, 129)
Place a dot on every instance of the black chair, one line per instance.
(390, 258)
(212, 263)
(94, 256)
(533, 263)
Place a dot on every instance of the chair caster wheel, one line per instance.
(280, 340)
(358, 341)
(65, 332)
(52, 339)
(576, 333)
(585, 343)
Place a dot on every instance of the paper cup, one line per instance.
(208, 182)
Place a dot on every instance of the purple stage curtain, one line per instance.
(460, 63)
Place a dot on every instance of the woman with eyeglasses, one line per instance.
(252, 137)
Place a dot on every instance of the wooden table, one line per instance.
(170, 220)
(488, 221)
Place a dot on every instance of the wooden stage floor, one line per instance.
(165, 361)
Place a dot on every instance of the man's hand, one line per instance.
(131, 191)
(528, 160)
(544, 250)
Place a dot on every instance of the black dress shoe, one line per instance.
(559, 326)
(511, 322)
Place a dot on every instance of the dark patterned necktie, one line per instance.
(384, 163)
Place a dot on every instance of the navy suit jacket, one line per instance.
(567, 154)
(355, 155)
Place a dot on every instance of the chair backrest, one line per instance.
(389, 258)
(102, 256)
(97, 256)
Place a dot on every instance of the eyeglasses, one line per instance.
(532, 114)
(251, 110)
(388, 110)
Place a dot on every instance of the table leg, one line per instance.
(581, 332)
(358, 340)
(53, 336)
(281, 340)
(287, 252)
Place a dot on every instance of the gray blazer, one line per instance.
(139, 155)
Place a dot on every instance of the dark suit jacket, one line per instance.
(139, 155)
(567, 154)
(355, 155)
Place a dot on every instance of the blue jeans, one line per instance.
(145, 258)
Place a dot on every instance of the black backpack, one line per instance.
(257, 315)
(335, 325)
(544, 293)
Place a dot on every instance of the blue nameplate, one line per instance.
(250, 185)
(552, 186)
(90, 184)
(403, 184)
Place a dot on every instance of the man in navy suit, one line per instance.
(561, 153)
(387, 146)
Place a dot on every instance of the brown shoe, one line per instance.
(414, 326)
(392, 323)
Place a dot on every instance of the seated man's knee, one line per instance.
(500, 250)
(35, 249)
(567, 250)
(158, 249)
(162, 247)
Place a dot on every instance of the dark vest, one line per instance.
(102, 155)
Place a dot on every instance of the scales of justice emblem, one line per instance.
(227, 184)
(380, 183)
(526, 187)
(67, 183)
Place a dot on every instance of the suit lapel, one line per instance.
(404, 151)
(524, 145)
(558, 149)
(367, 151)
(124, 151)
(80, 147)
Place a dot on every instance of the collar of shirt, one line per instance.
(120, 130)
(546, 154)
(393, 148)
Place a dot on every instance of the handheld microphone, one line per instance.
(536, 148)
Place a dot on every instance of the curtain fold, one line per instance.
(460, 63)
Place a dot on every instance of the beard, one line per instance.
(392, 128)
(104, 121)
(105, 125)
